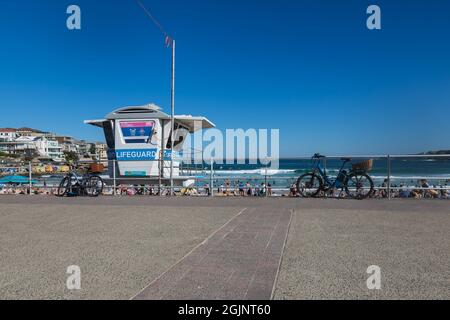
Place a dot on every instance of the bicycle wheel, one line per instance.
(94, 186)
(63, 187)
(358, 185)
(309, 185)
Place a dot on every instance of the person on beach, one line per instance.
(249, 189)
(293, 190)
(263, 190)
(235, 187)
(431, 193)
(416, 193)
(256, 191)
(383, 191)
(241, 189)
(227, 187)
(131, 191)
(404, 193)
(444, 192)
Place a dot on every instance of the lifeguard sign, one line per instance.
(136, 131)
(137, 136)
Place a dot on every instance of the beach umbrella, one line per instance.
(15, 179)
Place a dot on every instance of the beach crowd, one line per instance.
(421, 189)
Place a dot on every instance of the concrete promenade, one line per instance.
(223, 248)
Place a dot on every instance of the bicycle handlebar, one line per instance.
(317, 156)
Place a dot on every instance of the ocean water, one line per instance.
(403, 171)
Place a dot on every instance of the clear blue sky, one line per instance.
(310, 68)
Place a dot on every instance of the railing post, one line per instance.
(211, 179)
(389, 176)
(114, 177)
(29, 175)
(265, 183)
(161, 172)
(196, 178)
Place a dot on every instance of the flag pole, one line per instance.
(172, 117)
(169, 41)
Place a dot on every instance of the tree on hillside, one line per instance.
(92, 149)
(71, 156)
(8, 155)
(30, 154)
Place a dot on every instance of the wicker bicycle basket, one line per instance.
(96, 168)
(365, 165)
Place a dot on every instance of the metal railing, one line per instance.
(207, 180)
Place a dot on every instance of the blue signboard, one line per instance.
(176, 156)
(136, 154)
(137, 131)
(142, 154)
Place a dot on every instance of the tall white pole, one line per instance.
(173, 118)
(168, 38)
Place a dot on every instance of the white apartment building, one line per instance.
(68, 144)
(8, 134)
(40, 146)
(101, 151)
(35, 143)
(48, 148)
(23, 143)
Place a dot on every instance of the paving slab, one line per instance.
(239, 261)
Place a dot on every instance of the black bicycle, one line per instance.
(86, 185)
(356, 182)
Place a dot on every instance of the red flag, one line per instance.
(168, 41)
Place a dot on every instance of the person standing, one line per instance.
(241, 189)
(263, 190)
(227, 186)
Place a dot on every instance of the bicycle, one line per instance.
(74, 185)
(356, 183)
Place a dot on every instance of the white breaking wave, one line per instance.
(261, 171)
(428, 177)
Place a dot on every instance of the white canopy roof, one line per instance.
(152, 111)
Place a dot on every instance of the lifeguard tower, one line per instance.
(138, 140)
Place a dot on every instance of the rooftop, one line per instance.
(7, 130)
(26, 129)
